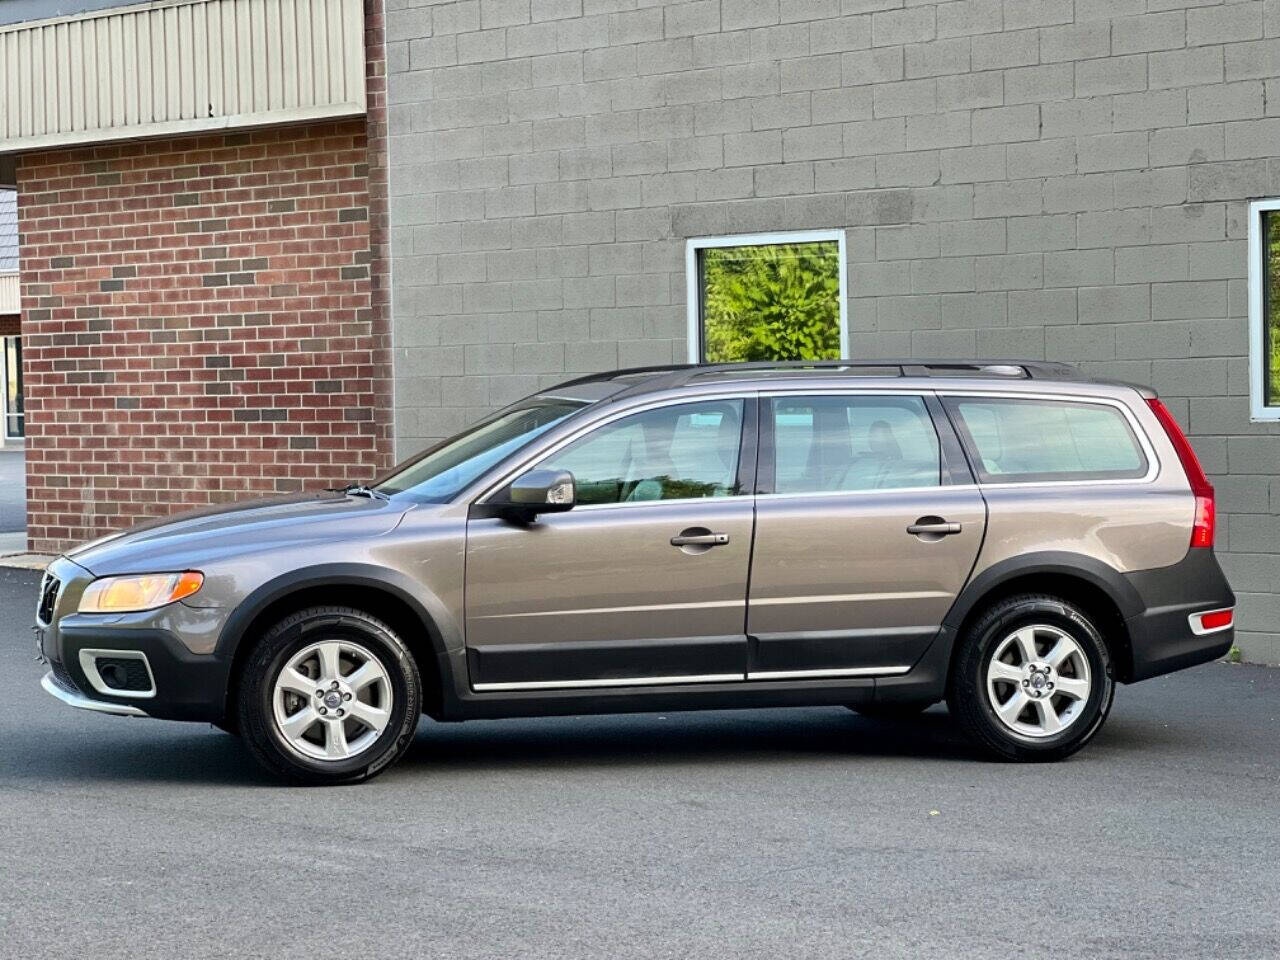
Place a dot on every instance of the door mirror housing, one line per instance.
(540, 491)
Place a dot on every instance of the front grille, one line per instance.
(49, 588)
(123, 673)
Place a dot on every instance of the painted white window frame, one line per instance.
(693, 280)
(5, 412)
(1259, 411)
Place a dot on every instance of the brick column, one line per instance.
(204, 319)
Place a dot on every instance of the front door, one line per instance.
(862, 539)
(644, 582)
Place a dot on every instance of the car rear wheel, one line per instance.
(329, 695)
(1032, 679)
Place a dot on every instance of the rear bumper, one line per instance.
(1161, 636)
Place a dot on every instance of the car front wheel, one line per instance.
(329, 695)
(1032, 679)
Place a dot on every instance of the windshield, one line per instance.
(442, 472)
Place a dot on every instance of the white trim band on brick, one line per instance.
(10, 302)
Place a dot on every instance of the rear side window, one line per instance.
(1028, 440)
(828, 444)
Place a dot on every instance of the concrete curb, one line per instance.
(25, 561)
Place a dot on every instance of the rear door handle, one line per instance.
(700, 540)
(933, 526)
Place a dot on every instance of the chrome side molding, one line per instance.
(697, 678)
(610, 682)
(832, 673)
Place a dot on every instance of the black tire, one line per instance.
(967, 694)
(255, 718)
(905, 710)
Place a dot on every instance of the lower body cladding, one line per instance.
(183, 685)
(133, 664)
(205, 682)
(1166, 633)
(1161, 612)
(111, 673)
(64, 690)
(728, 691)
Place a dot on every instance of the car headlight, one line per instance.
(142, 592)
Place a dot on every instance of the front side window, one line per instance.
(829, 444)
(676, 452)
(444, 471)
(767, 298)
(1032, 440)
(1264, 309)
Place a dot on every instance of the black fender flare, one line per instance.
(928, 678)
(1050, 563)
(425, 606)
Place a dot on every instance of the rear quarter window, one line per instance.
(1014, 440)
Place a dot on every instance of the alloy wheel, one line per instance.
(331, 700)
(1038, 681)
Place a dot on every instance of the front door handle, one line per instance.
(932, 527)
(699, 540)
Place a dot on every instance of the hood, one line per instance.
(187, 540)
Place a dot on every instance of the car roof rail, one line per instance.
(660, 377)
(1031, 369)
(624, 373)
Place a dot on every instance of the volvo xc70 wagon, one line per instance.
(1010, 537)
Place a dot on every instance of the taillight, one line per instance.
(1202, 531)
(1205, 517)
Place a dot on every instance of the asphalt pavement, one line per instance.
(800, 833)
(13, 490)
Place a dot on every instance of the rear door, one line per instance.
(867, 527)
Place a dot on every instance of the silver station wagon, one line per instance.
(1011, 537)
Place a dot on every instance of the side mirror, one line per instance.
(542, 491)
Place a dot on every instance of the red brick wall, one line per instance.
(199, 323)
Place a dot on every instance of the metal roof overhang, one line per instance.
(175, 67)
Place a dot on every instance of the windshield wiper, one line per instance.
(361, 490)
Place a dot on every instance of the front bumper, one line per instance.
(74, 698)
(187, 685)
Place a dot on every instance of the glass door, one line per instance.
(14, 426)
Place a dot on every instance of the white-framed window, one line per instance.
(11, 400)
(767, 296)
(1264, 310)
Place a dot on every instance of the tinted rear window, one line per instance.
(826, 444)
(1027, 440)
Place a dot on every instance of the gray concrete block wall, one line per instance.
(1054, 179)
